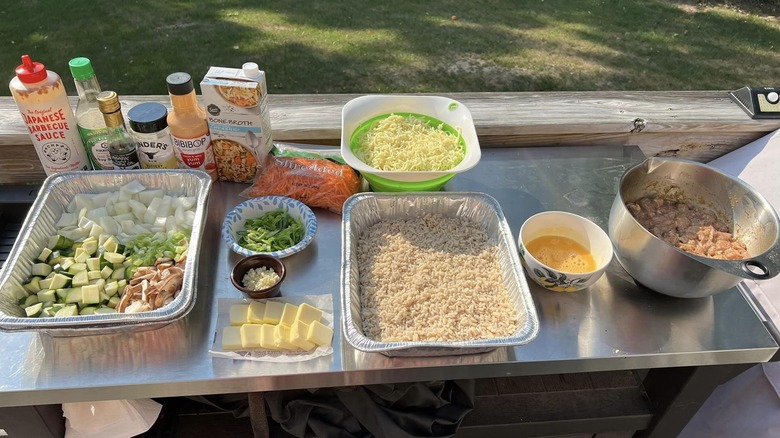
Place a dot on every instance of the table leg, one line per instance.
(257, 415)
(677, 394)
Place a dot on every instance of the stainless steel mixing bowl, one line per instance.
(672, 271)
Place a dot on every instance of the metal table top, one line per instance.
(614, 325)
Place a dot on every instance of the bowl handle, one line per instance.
(758, 270)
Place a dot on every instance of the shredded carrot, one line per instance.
(315, 182)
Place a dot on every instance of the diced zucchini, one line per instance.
(88, 310)
(118, 274)
(111, 244)
(104, 297)
(59, 281)
(105, 310)
(55, 257)
(77, 267)
(91, 246)
(29, 300)
(112, 288)
(45, 283)
(61, 294)
(59, 242)
(100, 283)
(106, 272)
(41, 269)
(90, 294)
(47, 295)
(33, 285)
(43, 257)
(81, 255)
(122, 284)
(75, 295)
(113, 301)
(69, 310)
(93, 264)
(113, 257)
(94, 275)
(80, 279)
(67, 262)
(33, 310)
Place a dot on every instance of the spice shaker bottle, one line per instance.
(149, 127)
(43, 103)
(189, 129)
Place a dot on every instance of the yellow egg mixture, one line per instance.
(562, 254)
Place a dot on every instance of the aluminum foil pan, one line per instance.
(57, 191)
(365, 209)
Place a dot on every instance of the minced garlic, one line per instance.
(260, 278)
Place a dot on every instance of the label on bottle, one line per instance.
(53, 131)
(125, 159)
(96, 144)
(196, 153)
(156, 154)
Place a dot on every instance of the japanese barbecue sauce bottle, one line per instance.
(188, 126)
(121, 145)
(90, 121)
(41, 98)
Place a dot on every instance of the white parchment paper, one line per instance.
(322, 302)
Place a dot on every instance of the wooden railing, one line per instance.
(697, 125)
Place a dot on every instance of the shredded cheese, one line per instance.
(399, 143)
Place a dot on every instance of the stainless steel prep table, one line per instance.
(615, 325)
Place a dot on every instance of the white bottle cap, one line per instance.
(250, 70)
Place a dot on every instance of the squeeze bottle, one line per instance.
(43, 103)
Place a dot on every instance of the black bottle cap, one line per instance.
(180, 83)
(148, 117)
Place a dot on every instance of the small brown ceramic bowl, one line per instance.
(257, 261)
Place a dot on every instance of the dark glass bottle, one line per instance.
(121, 145)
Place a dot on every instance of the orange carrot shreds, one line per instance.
(317, 182)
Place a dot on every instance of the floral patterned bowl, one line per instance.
(256, 207)
(582, 231)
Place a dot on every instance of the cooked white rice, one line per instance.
(432, 279)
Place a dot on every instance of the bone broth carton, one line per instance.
(239, 121)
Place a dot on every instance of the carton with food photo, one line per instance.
(238, 118)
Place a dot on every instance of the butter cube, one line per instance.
(231, 338)
(319, 333)
(267, 337)
(289, 314)
(308, 314)
(251, 335)
(273, 312)
(238, 314)
(282, 337)
(298, 333)
(256, 312)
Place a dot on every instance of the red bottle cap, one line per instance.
(30, 72)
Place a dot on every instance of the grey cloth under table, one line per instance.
(421, 409)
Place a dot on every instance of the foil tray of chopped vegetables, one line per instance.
(106, 251)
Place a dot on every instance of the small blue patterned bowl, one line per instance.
(256, 207)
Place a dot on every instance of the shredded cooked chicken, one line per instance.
(152, 287)
(691, 228)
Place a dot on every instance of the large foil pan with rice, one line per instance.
(364, 210)
(672, 271)
(53, 198)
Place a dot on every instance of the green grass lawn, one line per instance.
(353, 46)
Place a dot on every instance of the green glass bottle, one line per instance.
(89, 119)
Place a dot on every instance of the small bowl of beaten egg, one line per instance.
(562, 251)
(258, 276)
